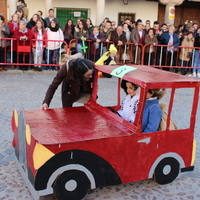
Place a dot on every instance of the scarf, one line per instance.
(53, 29)
(15, 23)
(23, 31)
(96, 43)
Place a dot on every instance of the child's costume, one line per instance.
(108, 58)
(152, 116)
(129, 108)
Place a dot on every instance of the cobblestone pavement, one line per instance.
(26, 91)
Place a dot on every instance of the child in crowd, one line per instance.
(130, 102)
(152, 114)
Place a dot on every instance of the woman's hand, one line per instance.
(44, 106)
(98, 40)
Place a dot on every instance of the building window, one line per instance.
(123, 16)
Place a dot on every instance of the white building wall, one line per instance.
(143, 9)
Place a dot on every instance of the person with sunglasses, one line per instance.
(76, 77)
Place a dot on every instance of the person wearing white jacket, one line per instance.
(53, 47)
(129, 104)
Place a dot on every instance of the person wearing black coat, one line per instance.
(32, 21)
(76, 78)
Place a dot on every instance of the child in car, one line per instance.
(129, 104)
(152, 114)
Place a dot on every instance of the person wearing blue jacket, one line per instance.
(169, 38)
(152, 114)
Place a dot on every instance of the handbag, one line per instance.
(125, 56)
(189, 55)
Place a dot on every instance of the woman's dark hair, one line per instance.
(22, 1)
(35, 28)
(85, 27)
(179, 26)
(151, 29)
(81, 66)
(38, 17)
(20, 11)
(56, 22)
(2, 18)
(66, 27)
(90, 21)
(123, 85)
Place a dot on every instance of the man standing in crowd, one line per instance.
(169, 54)
(137, 37)
(118, 36)
(39, 12)
(50, 17)
(23, 6)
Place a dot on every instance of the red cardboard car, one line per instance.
(68, 151)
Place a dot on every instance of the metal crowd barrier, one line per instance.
(17, 53)
(161, 56)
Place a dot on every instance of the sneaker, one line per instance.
(194, 74)
(198, 75)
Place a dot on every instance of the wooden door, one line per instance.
(161, 14)
(3, 8)
(186, 11)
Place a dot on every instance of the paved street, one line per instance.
(26, 91)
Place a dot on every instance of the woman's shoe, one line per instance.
(35, 69)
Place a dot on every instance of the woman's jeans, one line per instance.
(52, 57)
(197, 61)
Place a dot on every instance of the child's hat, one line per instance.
(112, 49)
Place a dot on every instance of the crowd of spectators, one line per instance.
(136, 32)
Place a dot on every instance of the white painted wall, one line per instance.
(143, 9)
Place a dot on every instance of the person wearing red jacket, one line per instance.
(39, 33)
(13, 25)
(23, 36)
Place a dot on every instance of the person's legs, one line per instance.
(78, 47)
(55, 58)
(40, 58)
(1, 58)
(34, 59)
(49, 55)
(184, 64)
(198, 65)
(196, 62)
